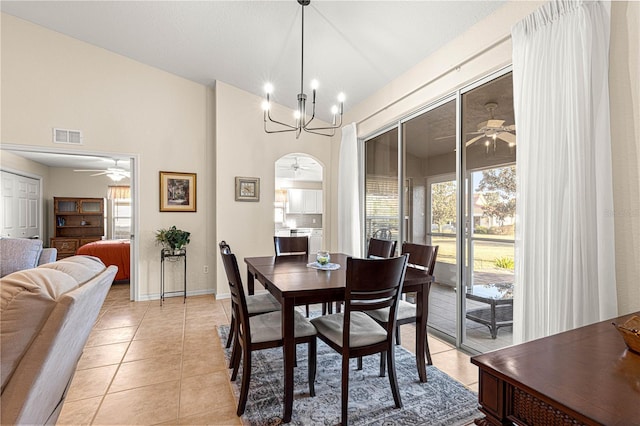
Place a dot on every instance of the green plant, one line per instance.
(172, 238)
(504, 263)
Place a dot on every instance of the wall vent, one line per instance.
(73, 137)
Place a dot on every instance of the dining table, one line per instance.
(292, 281)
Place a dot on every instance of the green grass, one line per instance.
(486, 253)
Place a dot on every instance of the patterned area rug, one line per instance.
(440, 401)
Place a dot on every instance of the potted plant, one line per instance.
(173, 239)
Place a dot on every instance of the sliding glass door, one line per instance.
(446, 176)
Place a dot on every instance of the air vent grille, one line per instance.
(73, 137)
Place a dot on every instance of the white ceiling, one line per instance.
(355, 47)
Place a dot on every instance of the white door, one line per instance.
(20, 206)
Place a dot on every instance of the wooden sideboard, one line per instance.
(582, 376)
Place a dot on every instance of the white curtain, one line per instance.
(565, 265)
(348, 193)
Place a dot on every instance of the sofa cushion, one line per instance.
(27, 299)
(18, 254)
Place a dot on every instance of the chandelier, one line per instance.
(302, 120)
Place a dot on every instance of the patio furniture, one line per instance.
(499, 313)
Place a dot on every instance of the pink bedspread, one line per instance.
(111, 252)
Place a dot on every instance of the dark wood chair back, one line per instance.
(421, 256)
(381, 248)
(291, 245)
(373, 284)
(238, 298)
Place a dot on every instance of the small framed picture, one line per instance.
(247, 189)
(177, 192)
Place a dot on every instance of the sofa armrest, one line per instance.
(48, 255)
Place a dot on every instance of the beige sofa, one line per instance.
(22, 253)
(46, 315)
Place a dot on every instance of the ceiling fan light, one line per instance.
(116, 177)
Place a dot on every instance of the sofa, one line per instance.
(46, 315)
(23, 253)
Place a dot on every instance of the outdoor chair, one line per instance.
(256, 304)
(370, 284)
(262, 331)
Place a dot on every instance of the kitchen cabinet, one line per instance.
(304, 201)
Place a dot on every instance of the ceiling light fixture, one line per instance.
(300, 115)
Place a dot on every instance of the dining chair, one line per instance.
(377, 249)
(262, 331)
(256, 304)
(286, 246)
(370, 284)
(381, 248)
(420, 257)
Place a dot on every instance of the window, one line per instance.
(120, 209)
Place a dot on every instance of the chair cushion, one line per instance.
(261, 303)
(268, 327)
(406, 310)
(363, 329)
(18, 254)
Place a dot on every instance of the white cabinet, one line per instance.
(315, 241)
(304, 201)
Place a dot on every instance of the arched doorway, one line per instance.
(299, 198)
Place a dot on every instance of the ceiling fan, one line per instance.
(494, 129)
(115, 173)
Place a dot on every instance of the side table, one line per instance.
(499, 313)
(168, 254)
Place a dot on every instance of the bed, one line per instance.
(111, 252)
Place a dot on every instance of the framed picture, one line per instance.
(177, 192)
(247, 189)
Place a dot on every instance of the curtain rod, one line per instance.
(437, 77)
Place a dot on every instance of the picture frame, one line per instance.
(177, 192)
(247, 189)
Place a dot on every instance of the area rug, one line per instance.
(440, 401)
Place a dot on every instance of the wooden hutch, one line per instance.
(77, 221)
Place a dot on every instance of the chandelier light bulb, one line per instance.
(268, 88)
(341, 97)
(314, 84)
(265, 105)
(296, 115)
(334, 110)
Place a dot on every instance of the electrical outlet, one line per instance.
(205, 269)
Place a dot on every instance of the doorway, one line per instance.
(73, 159)
(299, 199)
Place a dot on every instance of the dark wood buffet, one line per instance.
(582, 376)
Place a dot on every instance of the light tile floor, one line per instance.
(151, 364)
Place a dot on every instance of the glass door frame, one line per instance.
(462, 234)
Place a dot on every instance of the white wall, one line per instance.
(244, 149)
(468, 58)
(51, 80)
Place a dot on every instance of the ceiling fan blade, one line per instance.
(89, 170)
(470, 141)
(511, 128)
(102, 172)
(507, 137)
